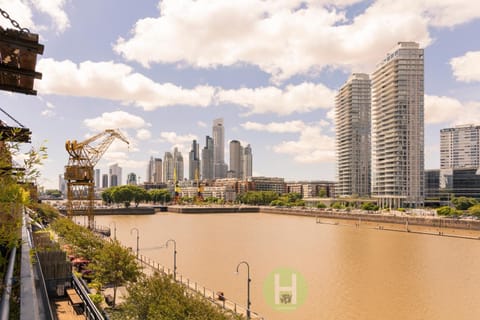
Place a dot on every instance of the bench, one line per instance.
(75, 300)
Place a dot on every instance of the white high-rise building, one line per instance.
(168, 166)
(236, 159)
(460, 147)
(154, 170)
(247, 162)
(178, 164)
(352, 122)
(97, 178)
(115, 173)
(218, 134)
(398, 127)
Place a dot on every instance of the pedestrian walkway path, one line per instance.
(65, 311)
(149, 267)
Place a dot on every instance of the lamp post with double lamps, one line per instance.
(138, 237)
(174, 257)
(248, 285)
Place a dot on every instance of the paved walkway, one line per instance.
(65, 311)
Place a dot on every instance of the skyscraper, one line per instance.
(218, 134)
(150, 170)
(247, 162)
(105, 181)
(168, 166)
(115, 173)
(178, 164)
(207, 159)
(236, 159)
(132, 179)
(352, 122)
(97, 178)
(194, 161)
(398, 127)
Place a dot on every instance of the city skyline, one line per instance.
(271, 75)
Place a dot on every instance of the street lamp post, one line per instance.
(138, 237)
(174, 257)
(248, 285)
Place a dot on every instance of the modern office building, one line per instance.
(115, 173)
(178, 164)
(353, 147)
(62, 185)
(132, 179)
(168, 166)
(194, 161)
(207, 159)
(398, 127)
(97, 178)
(460, 147)
(236, 159)
(218, 134)
(247, 162)
(104, 181)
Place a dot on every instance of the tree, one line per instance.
(447, 211)
(322, 193)
(158, 297)
(159, 195)
(463, 203)
(370, 206)
(139, 195)
(321, 205)
(116, 265)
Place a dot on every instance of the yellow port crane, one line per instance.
(79, 173)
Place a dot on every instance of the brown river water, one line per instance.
(343, 272)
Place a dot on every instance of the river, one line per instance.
(349, 273)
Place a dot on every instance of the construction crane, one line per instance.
(79, 173)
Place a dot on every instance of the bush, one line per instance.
(370, 206)
(447, 211)
(475, 210)
(321, 205)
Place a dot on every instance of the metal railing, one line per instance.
(90, 309)
(207, 293)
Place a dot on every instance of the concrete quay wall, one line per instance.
(213, 209)
(433, 222)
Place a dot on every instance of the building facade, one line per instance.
(207, 159)
(460, 147)
(132, 179)
(218, 134)
(168, 166)
(178, 164)
(353, 147)
(247, 162)
(194, 161)
(398, 127)
(236, 159)
(115, 175)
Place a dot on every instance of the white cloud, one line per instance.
(114, 120)
(48, 113)
(55, 9)
(275, 127)
(301, 98)
(312, 146)
(201, 124)
(450, 111)
(115, 81)
(144, 134)
(467, 67)
(21, 11)
(175, 139)
(282, 39)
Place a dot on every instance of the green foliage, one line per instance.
(53, 193)
(114, 264)
(370, 206)
(45, 212)
(474, 210)
(258, 197)
(125, 195)
(159, 195)
(158, 297)
(322, 193)
(96, 298)
(447, 211)
(321, 205)
(464, 203)
(337, 205)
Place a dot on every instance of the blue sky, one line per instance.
(161, 71)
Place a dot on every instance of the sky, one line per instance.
(162, 71)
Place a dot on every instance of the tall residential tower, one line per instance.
(352, 121)
(398, 127)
